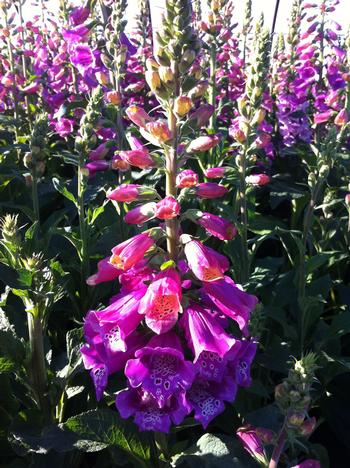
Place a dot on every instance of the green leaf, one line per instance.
(11, 345)
(6, 365)
(214, 451)
(63, 190)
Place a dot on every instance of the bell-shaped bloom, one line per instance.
(257, 179)
(215, 172)
(201, 116)
(217, 226)
(146, 411)
(231, 300)
(159, 130)
(136, 276)
(138, 158)
(160, 368)
(100, 356)
(323, 117)
(82, 57)
(252, 443)
(130, 252)
(96, 166)
(207, 398)
(79, 14)
(120, 319)
(186, 178)
(128, 193)
(114, 97)
(210, 190)
(167, 208)
(64, 127)
(203, 143)
(242, 362)
(205, 263)
(342, 118)
(138, 116)
(161, 303)
(211, 345)
(141, 214)
(182, 105)
(308, 464)
(105, 272)
(99, 153)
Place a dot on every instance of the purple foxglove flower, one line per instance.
(138, 158)
(82, 58)
(120, 319)
(105, 272)
(217, 226)
(308, 464)
(160, 368)
(209, 190)
(99, 153)
(135, 277)
(64, 127)
(161, 303)
(79, 14)
(207, 398)
(130, 252)
(126, 193)
(96, 166)
(242, 363)
(168, 208)
(211, 345)
(147, 414)
(141, 214)
(206, 263)
(231, 300)
(252, 443)
(323, 116)
(187, 178)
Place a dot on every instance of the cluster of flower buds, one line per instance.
(34, 160)
(170, 326)
(293, 397)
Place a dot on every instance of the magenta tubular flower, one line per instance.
(82, 58)
(138, 116)
(205, 263)
(202, 115)
(211, 345)
(128, 193)
(105, 272)
(323, 117)
(242, 362)
(217, 226)
(215, 172)
(168, 208)
(187, 178)
(252, 443)
(161, 303)
(135, 277)
(231, 300)
(139, 158)
(96, 166)
(64, 127)
(308, 464)
(130, 252)
(141, 214)
(257, 179)
(157, 131)
(99, 153)
(160, 368)
(145, 409)
(207, 398)
(79, 14)
(203, 143)
(210, 190)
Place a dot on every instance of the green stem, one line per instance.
(212, 85)
(242, 169)
(24, 65)
(171, 171)
(35, 197)
(84, 252)
(38, 374)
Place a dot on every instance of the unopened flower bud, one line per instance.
(308, 427)
(182, 105)
(114, 97)
(165, 74)
(153, 80)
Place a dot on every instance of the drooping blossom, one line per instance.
(205, 263)
(141, 214)
(210, 190)
(186, 178)
(105, 272)
(203, 143)
(217, 226)
(130, 252)
(167, 208)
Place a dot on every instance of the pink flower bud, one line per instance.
(130, 252)
(168, 208)
(138, 116)
(203, 143)
(265, 435)
(342, 118)
(262, 140)
(99, 153)
(159, 130)
(141, 214)
(210, 190)
(323, 116)
(96, 166)
(252, 443)
(114, 98)
(217, 226)
(126, 193)
(64, 127)
(105, 272)
(138, 158)
(257, 179)
(187, 178)
(347, 199)
(215, 172)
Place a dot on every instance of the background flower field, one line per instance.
(175, 231)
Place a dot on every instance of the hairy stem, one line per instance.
(278, 450)
(84, 252)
